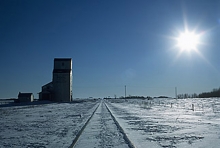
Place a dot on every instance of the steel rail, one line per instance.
(82, 129)
(130, 144)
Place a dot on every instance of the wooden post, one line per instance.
(193, 107)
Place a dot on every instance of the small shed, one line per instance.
(25, 97)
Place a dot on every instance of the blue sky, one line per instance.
(112, 44)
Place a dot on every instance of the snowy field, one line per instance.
(39, 126)
(170, 123)
(164, 123)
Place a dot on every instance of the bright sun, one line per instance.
(188, 41)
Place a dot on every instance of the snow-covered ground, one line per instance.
(48, 125)
(167, 123)
(101, 132)
(170, 123)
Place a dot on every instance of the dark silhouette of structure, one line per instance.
(25, 97)
(60, 89)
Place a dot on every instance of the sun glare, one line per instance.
(188, 41)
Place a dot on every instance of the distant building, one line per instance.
(60, 89)
(25, 97)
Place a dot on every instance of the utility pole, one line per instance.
(125, 91)
(176, 92)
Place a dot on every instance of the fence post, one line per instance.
(193, 107)
(213, 108)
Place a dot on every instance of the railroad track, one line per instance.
(101, 130)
